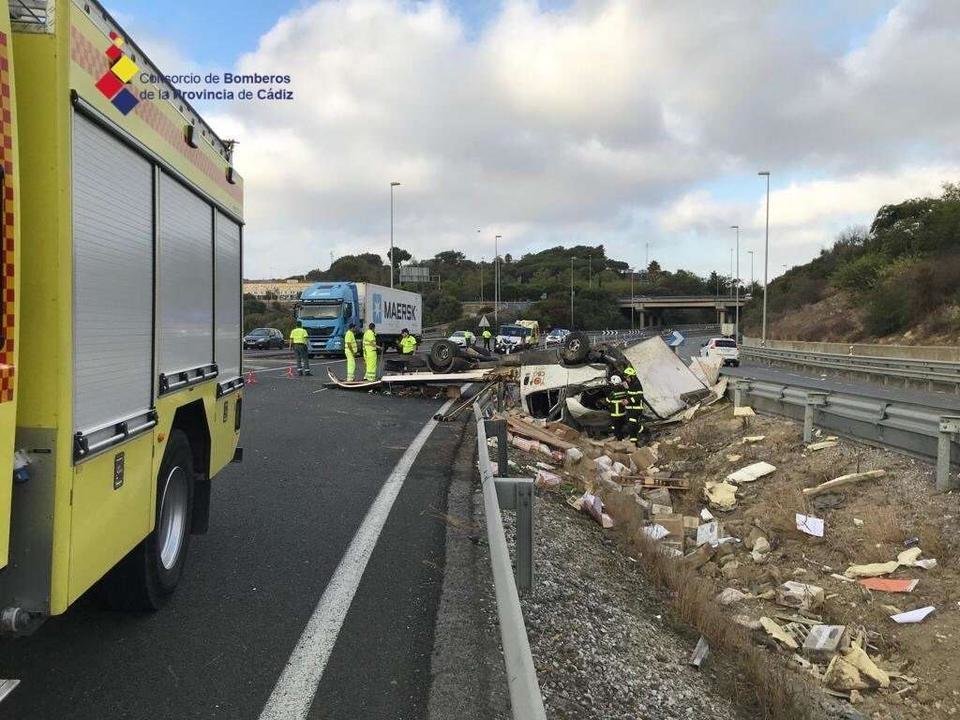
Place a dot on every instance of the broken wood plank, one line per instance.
(843, 480)
(521, 427)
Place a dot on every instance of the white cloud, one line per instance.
(596, 123)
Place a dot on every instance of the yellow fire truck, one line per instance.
(120, 374)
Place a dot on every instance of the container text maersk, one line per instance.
(327, 309)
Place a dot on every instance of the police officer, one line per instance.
(370, 352)
(487, 335)
(408, 343)
(351, 350)
(634, 404)
(617, 402)
(298, 343)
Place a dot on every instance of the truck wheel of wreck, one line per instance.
(146, 577)
(443, 353)
(576, 347)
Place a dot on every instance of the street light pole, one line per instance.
(736, 307)
(496, 280)
(766, 260)
(750, 253)
(392, 186)
(631, 299)
(731, 273)
(571, 291)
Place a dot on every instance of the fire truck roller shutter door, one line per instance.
(227, 297)
(113, 271)
(186, 270)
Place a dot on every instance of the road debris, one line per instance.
(912, 616)
(700, 652)
(810, 525)
(778, 633)
(722, 496)
(843, 480)
(890, 585)
(751, 473)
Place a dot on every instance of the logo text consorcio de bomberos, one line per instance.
(218, 86)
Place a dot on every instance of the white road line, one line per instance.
(294, 692)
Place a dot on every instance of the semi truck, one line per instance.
(120, 374)
(326, 309)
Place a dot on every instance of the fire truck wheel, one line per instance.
(149, 574)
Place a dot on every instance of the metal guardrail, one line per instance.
(911, 428)
(929, 371)
(510, 493)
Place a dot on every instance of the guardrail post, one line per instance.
(740, 389)
(814, 400)
(498, 428)
(949, 427)
(524, 569)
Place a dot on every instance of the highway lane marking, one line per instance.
(297, 686)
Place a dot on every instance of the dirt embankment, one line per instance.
(839, 318)
(871, 521)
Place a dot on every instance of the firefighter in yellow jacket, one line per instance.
(370, 352)
(351, 350)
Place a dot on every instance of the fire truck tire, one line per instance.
(146, 577)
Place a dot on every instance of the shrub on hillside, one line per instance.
(859, 274)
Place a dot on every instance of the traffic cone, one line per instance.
(251, 379)
(290, 371)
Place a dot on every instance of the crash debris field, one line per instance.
(837, 560)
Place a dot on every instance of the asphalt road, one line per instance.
(281, 522)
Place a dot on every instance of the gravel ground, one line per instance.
(601, 638)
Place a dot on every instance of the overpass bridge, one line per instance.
(650, 308)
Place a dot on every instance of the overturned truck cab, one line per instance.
(572, 387)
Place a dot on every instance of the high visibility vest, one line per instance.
(617, 400)
(299, 336)
(369, 340)
(487, 335)
(350, 342)
(635, 399)
(408, 344)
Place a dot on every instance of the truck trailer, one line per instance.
(120, 375)
(326, 309)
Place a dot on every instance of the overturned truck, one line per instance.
(571, 383)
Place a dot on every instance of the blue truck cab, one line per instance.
(326, 309)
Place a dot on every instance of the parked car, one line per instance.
(723, 348)
(463, 338)
(263, 339)
(555, 337)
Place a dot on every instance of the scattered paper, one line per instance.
(706, 515)
(912, 616)
(743, 411)
(655, 532)
(892, 585)
(810, 525)
(708, 533)
(749, 439)
(826, 444)
(926, 563)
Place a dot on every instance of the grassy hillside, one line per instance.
(896, 281)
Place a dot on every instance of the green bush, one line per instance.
(860, 274)
(888, 308)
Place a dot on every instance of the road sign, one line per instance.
(483, 322)
(414, 274)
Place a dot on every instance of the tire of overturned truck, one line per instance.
(576, 348)
(149, 574)
(442, 355)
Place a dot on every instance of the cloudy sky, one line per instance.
(622, 122)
